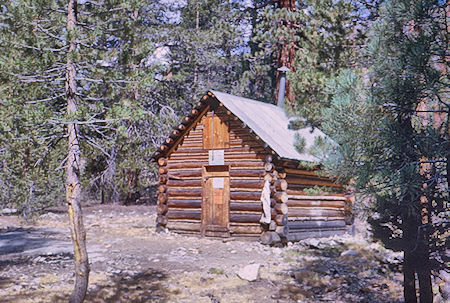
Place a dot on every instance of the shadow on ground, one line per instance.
(20, 240)
(332, 277)
(142, 287)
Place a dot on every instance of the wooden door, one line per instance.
(216, 201)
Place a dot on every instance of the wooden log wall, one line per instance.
(184, 184)
(317, 216)
(244, 154)
(299, 179)
(246, 157)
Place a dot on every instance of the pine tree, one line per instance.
(312, 38)
(70, 69)
(392, 127)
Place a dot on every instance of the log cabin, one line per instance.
(230, 169)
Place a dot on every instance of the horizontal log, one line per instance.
(162, 209)
(281, 197)
(312, 182)
(245, 229)
(185, 183)
(182, 163)
(162, 161)
(281, 185)
(188, 192)
(245, 218)
(185, 173)
(297, 236)
(239, 183)
(184, 214)
(161, 219)
(336, 197)
(185, 164)
(313, 203)
(299, 172)
(246, 172)
(247, 206)
(244, 195)
(192, 144)
(204, 156)
(238, 149)
(184, 226)
(313, 224)
(298, 212)
(282, 208)
(184, 203)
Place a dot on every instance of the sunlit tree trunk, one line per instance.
(73, 185)
(286, 51)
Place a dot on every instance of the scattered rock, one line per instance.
(349, 252)
(249, 272)
(9, 211)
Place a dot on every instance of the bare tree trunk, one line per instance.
(73, 185)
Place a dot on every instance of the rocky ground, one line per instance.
(132, 263)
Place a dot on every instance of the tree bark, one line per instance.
(409, 260)
(73, 184)
(286, 51)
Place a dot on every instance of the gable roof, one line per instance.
(267, 121)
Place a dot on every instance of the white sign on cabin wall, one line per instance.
(216, 157)
(218, 182)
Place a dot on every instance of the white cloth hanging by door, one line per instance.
(265, 200)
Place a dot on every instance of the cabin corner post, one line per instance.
(162, 208)
(269, 234)
(348, 206)
(281, 207)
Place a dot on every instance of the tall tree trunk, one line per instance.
(409, 230)
(73, 185)
(286, 52)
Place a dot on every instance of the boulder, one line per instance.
(249, 272)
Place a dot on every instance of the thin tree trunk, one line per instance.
(409, 261)
(425, 285)
(409, 279)
(73, 185)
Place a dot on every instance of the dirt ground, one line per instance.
(132, 263)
